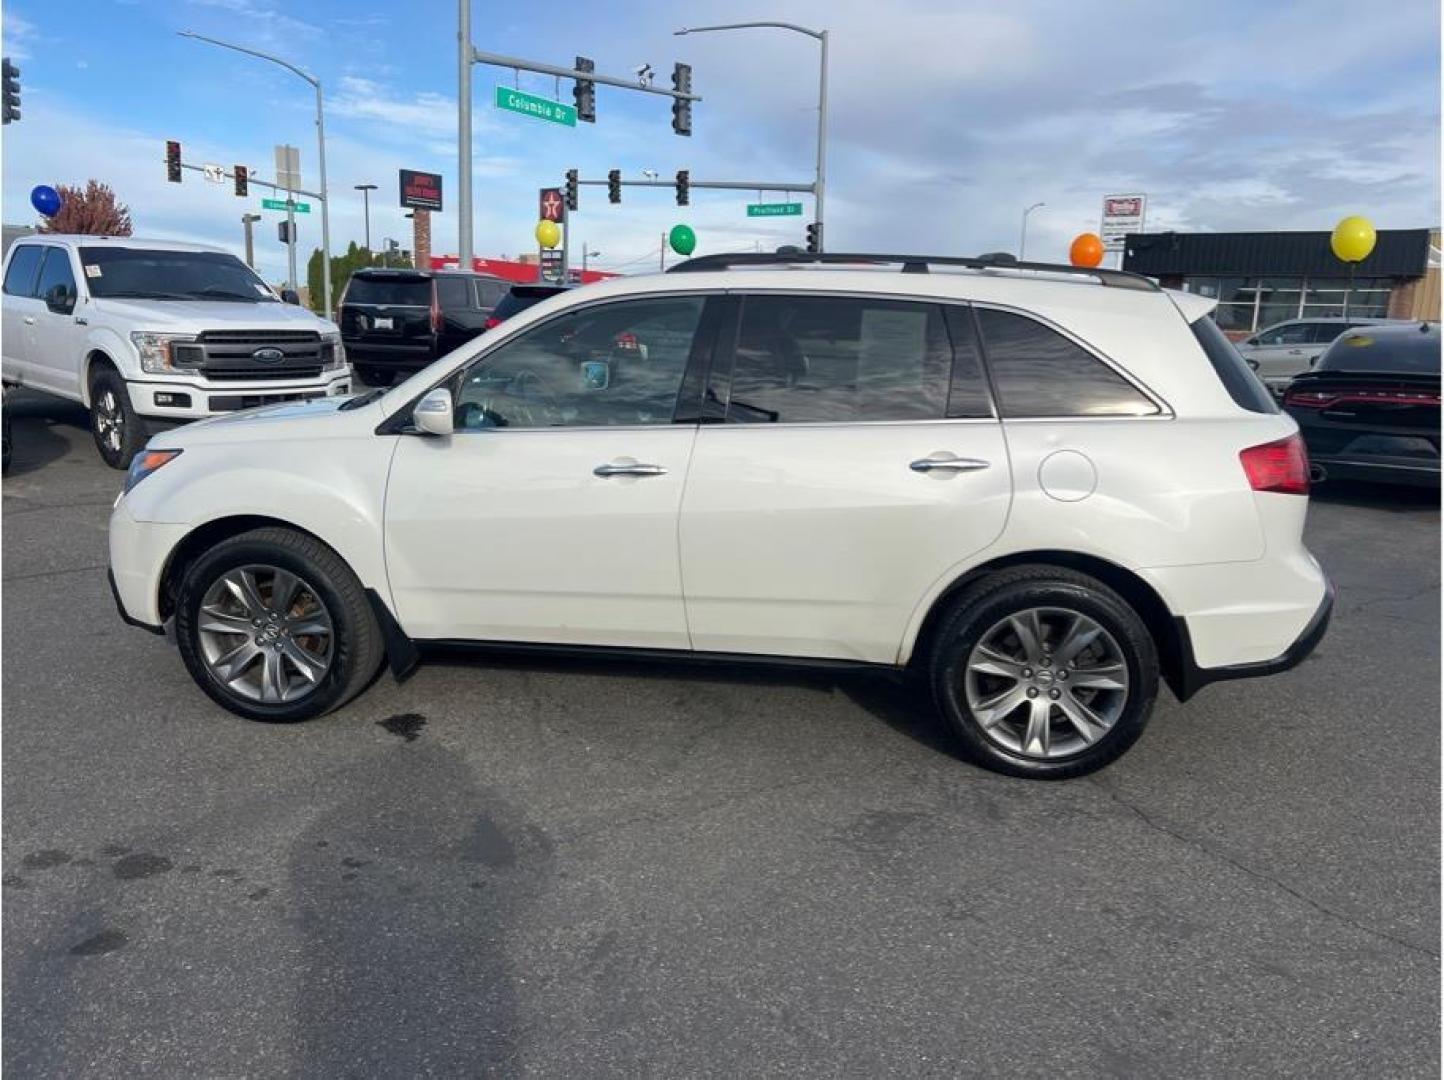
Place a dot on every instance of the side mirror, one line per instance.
(290, 296)
(60, 298)
(433, 413)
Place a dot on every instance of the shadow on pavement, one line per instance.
(33, 415)
(1395, 498)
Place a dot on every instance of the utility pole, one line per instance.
(247, 220)
(463, 132)
(366, 190)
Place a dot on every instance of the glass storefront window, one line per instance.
(1203, 286)
(1369, 297)
(1234, 316)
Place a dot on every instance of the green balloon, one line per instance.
(682, 239)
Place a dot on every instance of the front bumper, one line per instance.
(139, 552)
(1188, 678)
(181, 400)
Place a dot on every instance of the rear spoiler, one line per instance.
(1190, 305)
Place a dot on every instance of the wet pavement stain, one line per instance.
(141, 865)
(407, 725)
(114, 851)
(13, 881)
(44, 860)
(354, 863)
(107, 941)
(226, 872)
(259, 894)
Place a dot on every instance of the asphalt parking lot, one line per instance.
(584, 869)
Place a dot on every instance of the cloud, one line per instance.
(21, 36)
(265, 21)
(418, 115)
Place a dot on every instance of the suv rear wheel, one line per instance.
(118, 432)
(1044, 673)
(273, 625)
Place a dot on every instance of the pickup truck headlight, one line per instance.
(158, 352)
(333, 351)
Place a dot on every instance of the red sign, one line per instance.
(420, 190)
(552, 206)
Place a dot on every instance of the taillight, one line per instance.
(435, 311)
(1281, 467)
(1323, 399)
(492, 322)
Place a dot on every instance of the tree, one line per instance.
(342, 267)
(90, 211)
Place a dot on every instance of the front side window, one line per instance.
(20, 274)
(1040, 373)
(824, 359)
(603, 365)
(55, 270)
(1295, 334)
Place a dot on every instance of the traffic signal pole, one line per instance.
(463, 134)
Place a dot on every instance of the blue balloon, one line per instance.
(46, 200)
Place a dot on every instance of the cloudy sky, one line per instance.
(947, 118)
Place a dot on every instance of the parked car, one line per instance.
(146, 333)
(395, 322)
(518, 298)
(1039, 492)
(1370, 408)
(1283, 350)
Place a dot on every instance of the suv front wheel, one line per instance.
(1044, 672)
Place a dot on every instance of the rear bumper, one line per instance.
(1377, 469)
(381, 354)
(1190, 678)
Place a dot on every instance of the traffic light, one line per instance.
(12, 91)
(684, 187)
(614, 186)
(571, 192)
(243, 179)
(283, 230)
(172, 162)
(682, 107)
(814, 237)
(584, 93)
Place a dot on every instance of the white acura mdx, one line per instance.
(1037, 488)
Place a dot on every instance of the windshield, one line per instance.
(135, 273)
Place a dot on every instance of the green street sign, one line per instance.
(280, 204)
(531, 105)
(774, 209)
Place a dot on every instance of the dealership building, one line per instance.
(1263, 278)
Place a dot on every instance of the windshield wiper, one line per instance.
(362, 400)
(145, 296)
(226, 294)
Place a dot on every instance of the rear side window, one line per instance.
(1240, 382)
(521, 297)
(452, 292)
(824, 359)
(1038, 372)
(20, 274)
(389, 291)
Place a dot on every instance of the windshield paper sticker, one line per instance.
(91, 270)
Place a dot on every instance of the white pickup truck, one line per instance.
(145, 332)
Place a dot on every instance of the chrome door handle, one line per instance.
(954, 464)
(30, 320)
(635, 469)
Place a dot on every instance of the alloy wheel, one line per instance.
(1046, 682)
(265, 634)
(109, 420)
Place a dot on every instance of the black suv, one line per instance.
(398, 321)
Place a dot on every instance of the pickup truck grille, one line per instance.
(230, 354)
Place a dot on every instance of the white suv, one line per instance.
(149, 332)
(1038, 489)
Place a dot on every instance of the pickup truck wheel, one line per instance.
(1044, 673)
(374, 376)
(274, 626)
(119, 433)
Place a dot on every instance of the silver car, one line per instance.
(1290, 348)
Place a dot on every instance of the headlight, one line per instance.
(158, 353)
(333, 351)
(147, 462)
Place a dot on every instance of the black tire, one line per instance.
(982, 606)
(374, 376)
(118, 432)
(357, 649)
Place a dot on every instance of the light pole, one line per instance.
(247, 220)
(320, 142)
(1023, 239)
(821, 35)
(366, 190)
(463, 135)
(593, 253)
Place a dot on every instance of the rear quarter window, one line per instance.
(1237, 378)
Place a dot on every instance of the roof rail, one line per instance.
(911, 264)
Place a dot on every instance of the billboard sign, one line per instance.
(420, 190)
(1122, 214)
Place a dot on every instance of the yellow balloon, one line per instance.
(548, 234)
(1353, 239)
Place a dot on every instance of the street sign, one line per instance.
(420, 190)
(216, 174)
(288, 167)
(774, 209)
(280, 204)
(1122, 214)
(519, 101)
(551, 205)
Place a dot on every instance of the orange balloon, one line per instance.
(1087, 250)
